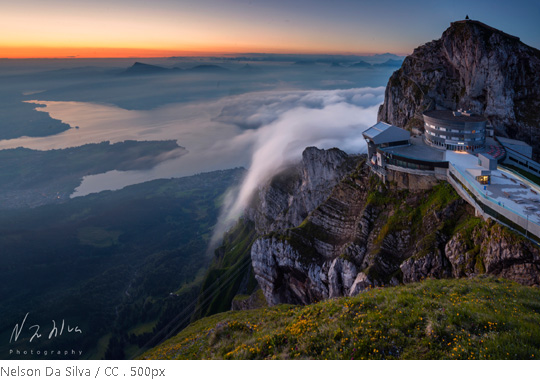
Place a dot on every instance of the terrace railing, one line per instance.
(493, 207)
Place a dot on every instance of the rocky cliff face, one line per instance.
(286, 199)
(472, 66)
(364, 234)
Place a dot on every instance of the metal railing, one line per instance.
(494, 205)
(377, 169)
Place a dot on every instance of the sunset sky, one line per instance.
(129, 28)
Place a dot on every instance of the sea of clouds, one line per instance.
(261, 131)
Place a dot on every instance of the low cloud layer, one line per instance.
(260, 131)
(324, 119)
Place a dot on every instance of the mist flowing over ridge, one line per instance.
(325, 119)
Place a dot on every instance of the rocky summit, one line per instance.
(472, 66)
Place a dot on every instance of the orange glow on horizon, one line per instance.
(87, 31)
(89, 52)
(37, 52)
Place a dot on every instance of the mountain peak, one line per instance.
(139, 68)
(472, 66)
(476, 26)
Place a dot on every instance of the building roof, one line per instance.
(487, 156)
(382, 133)
(417, 150)
(449, 116)
(476, 172)
(504, 140)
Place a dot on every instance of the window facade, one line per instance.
(460, 133)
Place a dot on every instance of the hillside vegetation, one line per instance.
(481, 318)
(230, 273)
(120, 264)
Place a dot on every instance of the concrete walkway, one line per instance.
(506, 190)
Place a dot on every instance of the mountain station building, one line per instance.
(455, 130)
(456, 147)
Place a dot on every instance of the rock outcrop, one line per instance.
(472, 66)
(492, 250)
(244, 302)
(286, 199)
(365, 234)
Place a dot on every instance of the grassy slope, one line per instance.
(434, 319)
(229, 269)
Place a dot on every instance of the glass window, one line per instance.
(483, 179)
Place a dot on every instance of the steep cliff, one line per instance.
(282, 202)
(472, 66)
(287, 198)
(365, 234)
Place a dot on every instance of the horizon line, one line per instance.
(133, 53)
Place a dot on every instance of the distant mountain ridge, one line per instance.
(139, 68)
(361, 64)
(320, 58)
(208, 68)
(354, 65)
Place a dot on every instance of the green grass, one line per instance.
(482, 318)
(441, 195)
(379, 195)
(406, 216)
(230, 267)
(241, 297)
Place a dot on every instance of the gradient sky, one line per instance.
(127, 28)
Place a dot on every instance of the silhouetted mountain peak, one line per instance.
(139, 68)
(360, 64)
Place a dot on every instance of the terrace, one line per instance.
(509, 194)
